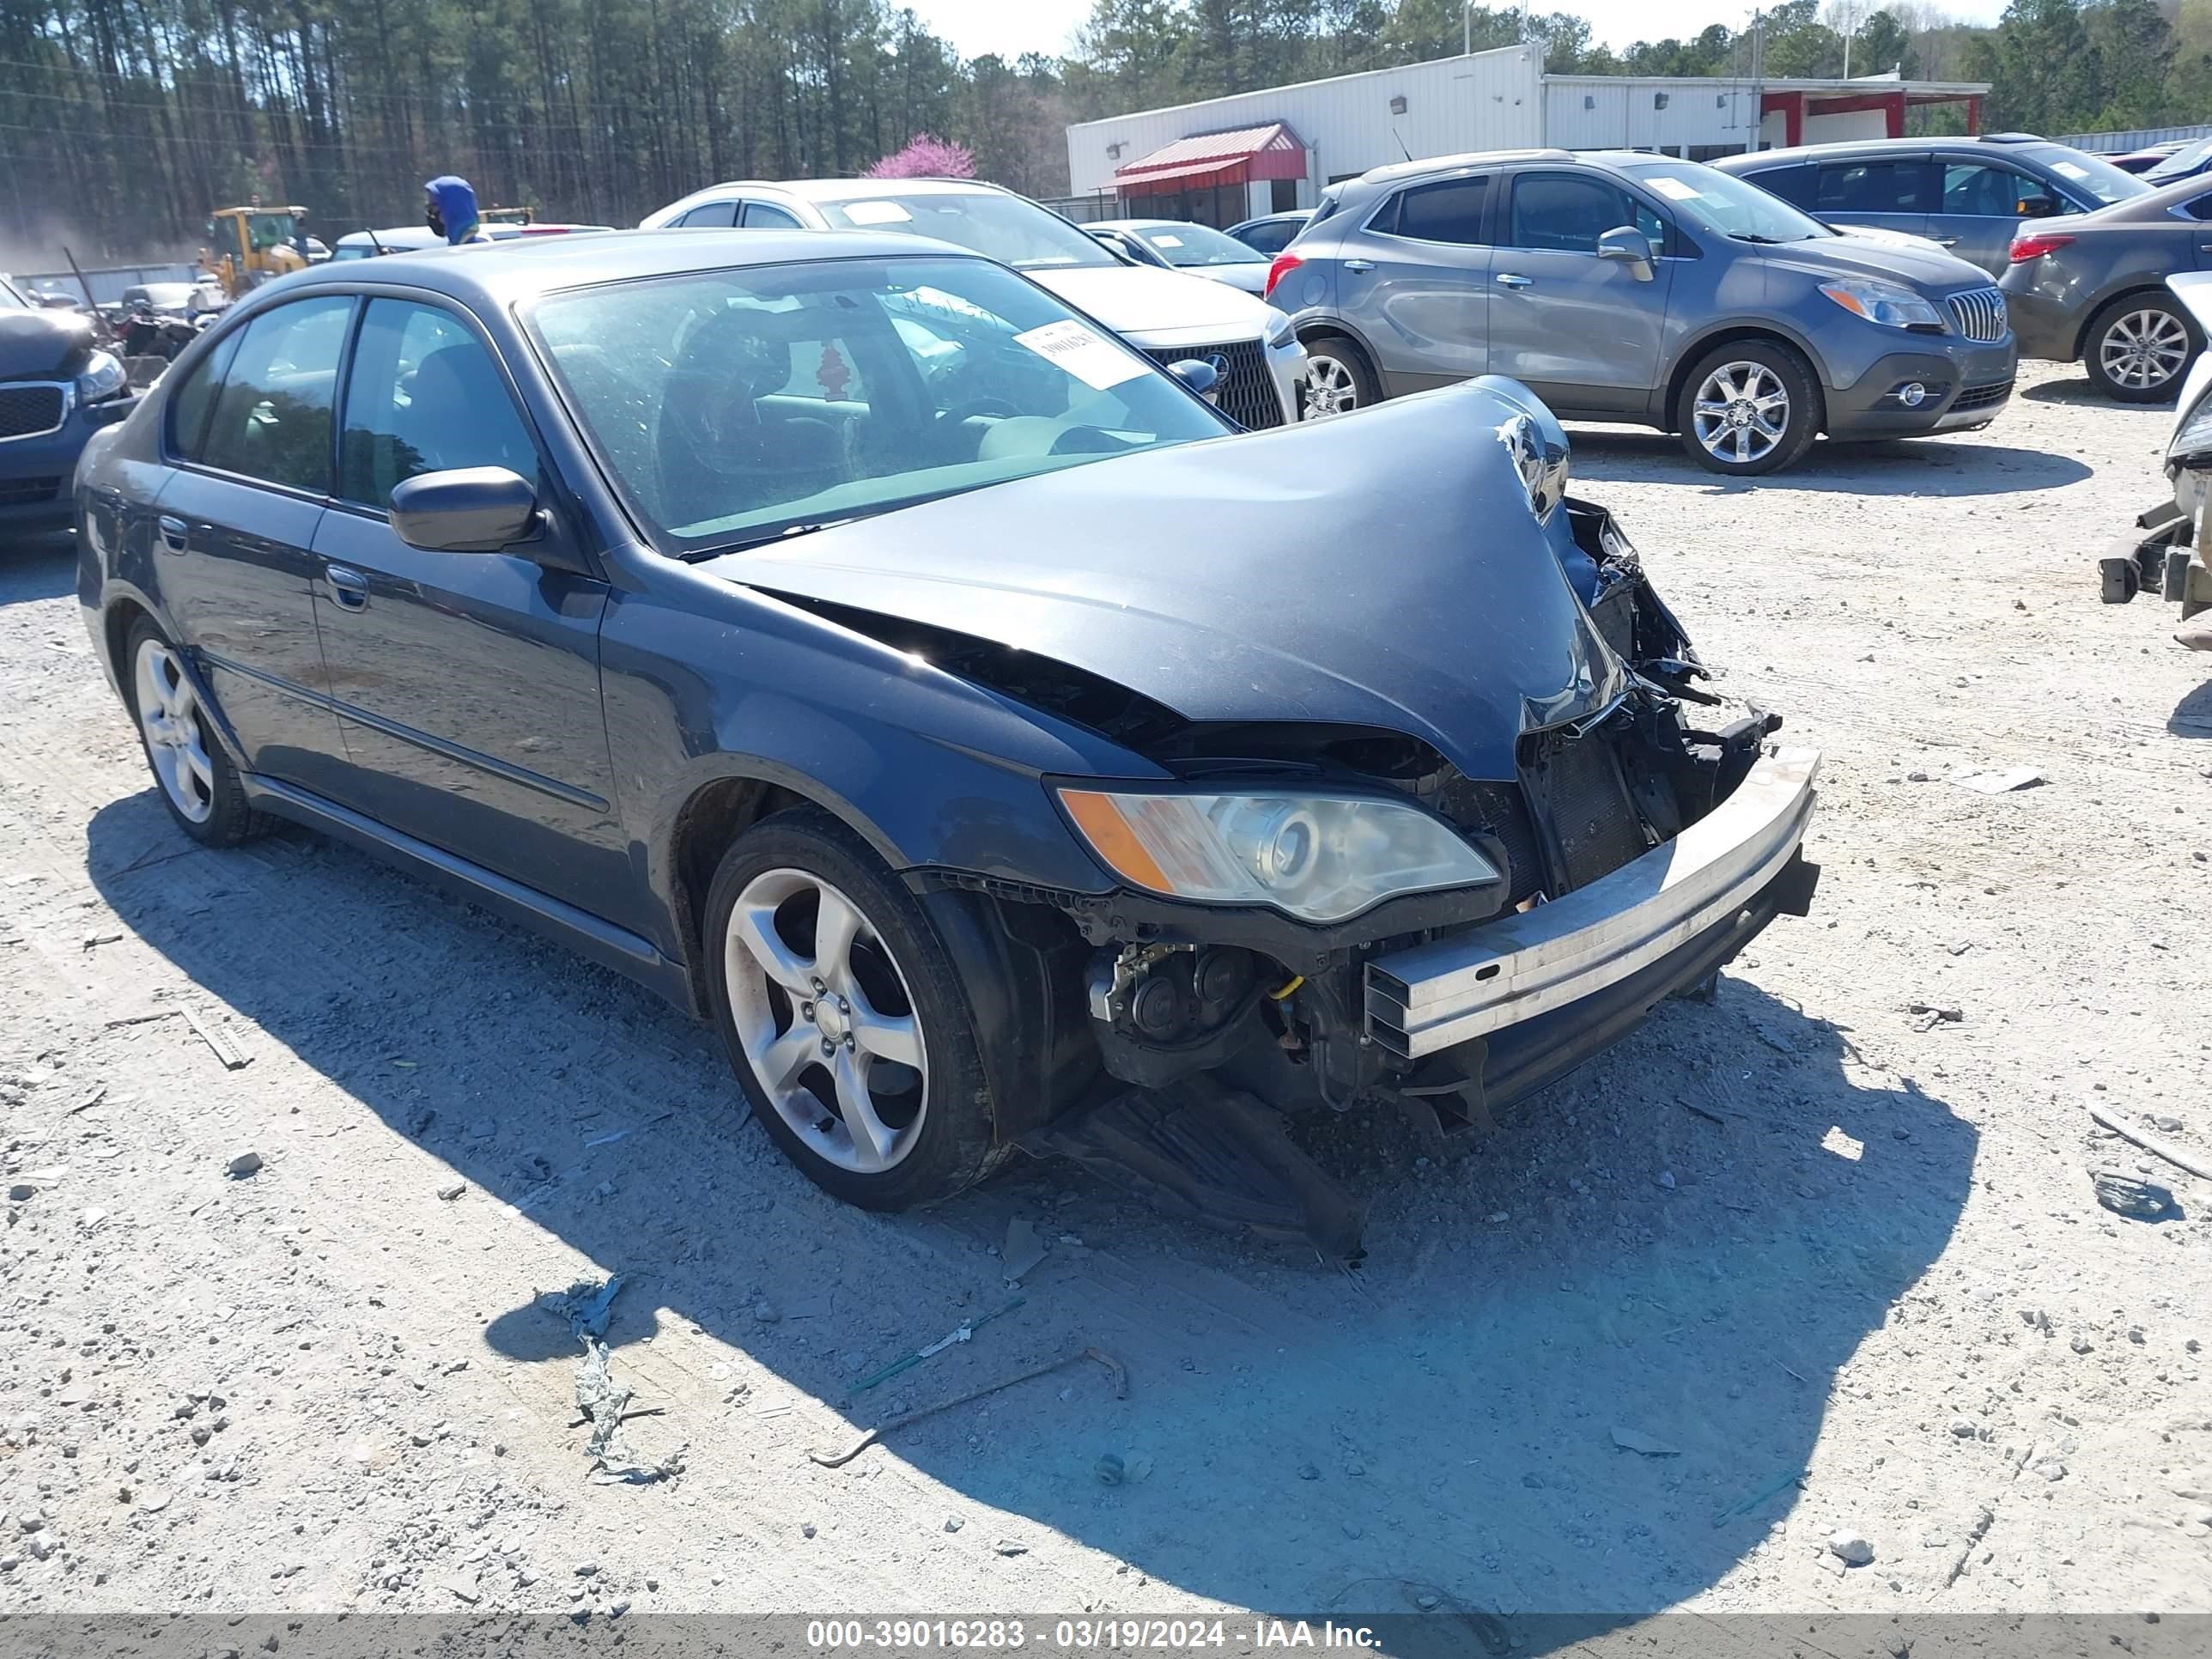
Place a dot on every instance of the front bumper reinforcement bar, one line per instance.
(1449, 991)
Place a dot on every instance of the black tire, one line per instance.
(218, 814)
(954, 1145)
(2138, 319)
(1803, 414)
(1339, 374)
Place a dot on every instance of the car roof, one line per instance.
(1147, 224)
(852, 190)
(2009, 142)
(492, 275)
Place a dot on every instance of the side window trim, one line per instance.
(470, 325)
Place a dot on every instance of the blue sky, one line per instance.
(1011, 28)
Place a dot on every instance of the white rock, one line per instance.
(1850, 1548)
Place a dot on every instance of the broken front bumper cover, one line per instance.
(1519, 967)
(2168, 561)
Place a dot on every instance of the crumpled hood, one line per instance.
(1382, 571)
(1937, 271)
(1144, 300)
(43, 345)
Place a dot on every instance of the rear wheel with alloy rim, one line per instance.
(1337, 380)
(1748, 408)
(198, 784)
(2139, 349)
(845, 1022)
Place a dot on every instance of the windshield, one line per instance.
(11, 297)
(2092, 176)
(1008, 229)
(2184, 163)
(731, 406)
(1722, 203)
(1197, 245)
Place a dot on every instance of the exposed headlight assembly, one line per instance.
(103, 377)
(2193, 437)
(1319, 858)
(1890, 304)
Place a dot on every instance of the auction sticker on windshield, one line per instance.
(876, 213)
(1674, 189)
(1091, 358)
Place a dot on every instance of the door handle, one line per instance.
(1513, 279)
(1359, 266)
(1947, 241)
(174, 534)
(348, 587)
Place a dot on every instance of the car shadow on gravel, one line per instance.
(2192, 715)
(1586, 1360)
(37, 568)
(1920, 465)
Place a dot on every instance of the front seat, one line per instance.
(720, 453)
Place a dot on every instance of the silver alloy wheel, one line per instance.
(848, 1073)
(2144, 348)
(1331, 387)
(1741, 412)
(176, 742)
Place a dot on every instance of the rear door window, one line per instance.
(193, 402)
(759, 216)
(271, 419)
(1449, 211)
(1874, 187)
(1796, 185)
(1567, 212)
(2199, 208)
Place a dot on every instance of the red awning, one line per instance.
(1220, 158)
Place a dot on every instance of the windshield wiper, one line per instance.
(781, 533)
(1753, 236)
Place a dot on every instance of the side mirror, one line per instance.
(1628, 246)
(1195, 375)
(470, 509)
(2037, 207)
(51, 302)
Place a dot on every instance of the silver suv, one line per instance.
(1626, 287)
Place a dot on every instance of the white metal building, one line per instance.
(1232, 158)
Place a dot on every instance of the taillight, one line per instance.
(2034, 245)
(1284, 264)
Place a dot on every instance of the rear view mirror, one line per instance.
(2037, 207)
(1627, 246)
(1195, 375)
(472, 509)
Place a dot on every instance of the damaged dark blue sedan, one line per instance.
(853, 643)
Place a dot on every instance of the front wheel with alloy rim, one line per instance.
(1337, 380)
(2139, 349)
(845, 1021)
(198, 784)
(1748, 408)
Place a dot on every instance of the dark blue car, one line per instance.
(57, 389)
(850, 641)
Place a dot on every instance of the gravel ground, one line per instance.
(1797, 1231)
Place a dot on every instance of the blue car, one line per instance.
(57, 389)
(871, 653)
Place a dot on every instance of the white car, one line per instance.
(1165, 314)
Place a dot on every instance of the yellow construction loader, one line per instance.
(247, 246)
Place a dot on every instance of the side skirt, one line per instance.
(602, 942)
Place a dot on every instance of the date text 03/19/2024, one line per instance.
(996, 1636)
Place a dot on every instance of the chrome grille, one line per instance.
(1979, 313)
(32, 409)
(1246, 391)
